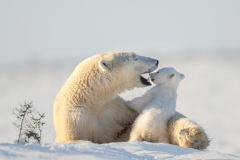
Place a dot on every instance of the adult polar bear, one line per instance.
(88, 106)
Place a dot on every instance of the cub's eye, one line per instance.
(157, 72)
(135, 58)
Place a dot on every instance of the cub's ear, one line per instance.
(105, 65)
(182, 76)
(171, 76)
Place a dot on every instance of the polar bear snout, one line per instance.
(147, 64)
(151, 77)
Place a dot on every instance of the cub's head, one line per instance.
(166, 76)
(125, 69)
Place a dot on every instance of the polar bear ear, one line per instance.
(182, 76)
(171, 76)
(105, 65)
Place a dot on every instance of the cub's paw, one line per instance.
(193, 137)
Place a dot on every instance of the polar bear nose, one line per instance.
(157, 63)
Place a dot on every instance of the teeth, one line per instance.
(148, 79)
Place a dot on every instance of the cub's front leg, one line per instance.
(137, 104)
(120, 112)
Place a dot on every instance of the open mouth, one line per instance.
(145, 81)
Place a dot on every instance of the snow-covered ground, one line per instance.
(209, 94)
(123, 150)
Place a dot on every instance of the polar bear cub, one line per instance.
(156, 107)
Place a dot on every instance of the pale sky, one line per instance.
(60, 29)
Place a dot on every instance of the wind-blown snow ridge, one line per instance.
(87, 150)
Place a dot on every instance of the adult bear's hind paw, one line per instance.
(193, 137)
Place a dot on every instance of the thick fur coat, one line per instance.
(88, 108)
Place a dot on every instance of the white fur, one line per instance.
(88, 106)
(187, 133)
(156, 107)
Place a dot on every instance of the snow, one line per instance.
(209, 95)
(122, 150)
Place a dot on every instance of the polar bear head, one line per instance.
(126, 68)
(167, 76)
(104, 76)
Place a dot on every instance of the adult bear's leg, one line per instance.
(186, 133)
(119, 114)
(111, 124)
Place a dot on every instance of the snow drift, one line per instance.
(87, 150)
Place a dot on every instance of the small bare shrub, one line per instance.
(29, 127)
